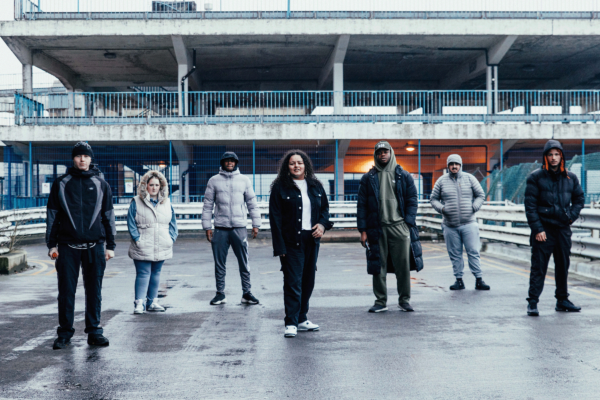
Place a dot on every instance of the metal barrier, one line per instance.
(281, 9)
(491, 216)
(524, 106)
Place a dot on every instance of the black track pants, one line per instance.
(67, 270)
(558, 243)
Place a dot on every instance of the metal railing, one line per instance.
(496, 220)
(475, 106)
(246, 9)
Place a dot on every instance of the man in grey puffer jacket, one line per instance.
(229, 193)
(458, 196)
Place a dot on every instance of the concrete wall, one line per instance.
(295, 132)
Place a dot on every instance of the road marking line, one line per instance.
(270, 272)
(44, 267)
(348, 270)
(51, 272)
(584, 293)
(45, 262)
(431, 258)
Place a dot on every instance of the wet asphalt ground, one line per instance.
(457, 345)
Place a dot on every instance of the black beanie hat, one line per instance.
(82, 148)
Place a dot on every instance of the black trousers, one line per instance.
(558, 244)
(67, 270)
(299, 267)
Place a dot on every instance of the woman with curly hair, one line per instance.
(153, 230)
(299, 216)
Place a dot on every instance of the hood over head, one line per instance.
(391, 165)
(554, 144)
(229, 154)
(163, 193)
(454, 158)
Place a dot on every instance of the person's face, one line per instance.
(229, 164)
(153, 187)
(454, 167)
(296, 166)
(82, 162)
(383, 156)
(554, 158)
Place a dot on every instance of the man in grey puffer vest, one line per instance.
(230, 193)
(458, 196)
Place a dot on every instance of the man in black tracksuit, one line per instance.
(553, 201)
(80, 220)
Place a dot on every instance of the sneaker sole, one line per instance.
(405, 310)
(482, 289)
(244, 301)
(378, 311)
(289, 335)
(156, 310)
(533, 314)
(138, 312)
(216, 303)
(458, 289)
(309, 330)
(566, 310)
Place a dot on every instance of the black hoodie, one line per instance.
(80, 210)
(552, 199)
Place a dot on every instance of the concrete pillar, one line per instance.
(185, 156)
(27, 78)
(183, 65)
(489, 87)
(71, 100)
(338, 88)
(496, 82)
(343, 146)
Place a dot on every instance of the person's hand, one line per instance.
(254, 233)
(282, 255)
(318, 231)
(53, 253)
(541, 237)
(363, 239)
(108, 254)
(137, 243)
(209, 235)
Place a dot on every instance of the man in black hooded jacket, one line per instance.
(553, 200)
(80, 221)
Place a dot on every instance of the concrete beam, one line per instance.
(477, 67)
(337, 57)
(295, 132)
(64, 74)
(310, 27)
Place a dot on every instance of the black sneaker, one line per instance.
(532, 310)
(218, 299)
(406, 307)
(481, 285)
(61, 343)
(458, 285)
(566, 305)
(97, 340)
(378, 308)
(247, 298)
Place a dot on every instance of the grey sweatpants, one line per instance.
(467, 235)
(237, 238)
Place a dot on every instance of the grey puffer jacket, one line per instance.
(457, 197)
(229, 193)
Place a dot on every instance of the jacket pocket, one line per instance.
(544, 210)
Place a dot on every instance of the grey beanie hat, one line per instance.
(454, 158)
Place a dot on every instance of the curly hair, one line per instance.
(285, 179)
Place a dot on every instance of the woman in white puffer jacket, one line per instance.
(153, 229)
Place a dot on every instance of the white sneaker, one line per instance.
(307, 326)
(290, 331)
(155, 306)
(139, 306)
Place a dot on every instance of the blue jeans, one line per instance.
(467, 235)
(147, 279)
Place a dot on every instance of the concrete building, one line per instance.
(189, 83)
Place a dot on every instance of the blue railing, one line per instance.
(452, 106)
(280, 9)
